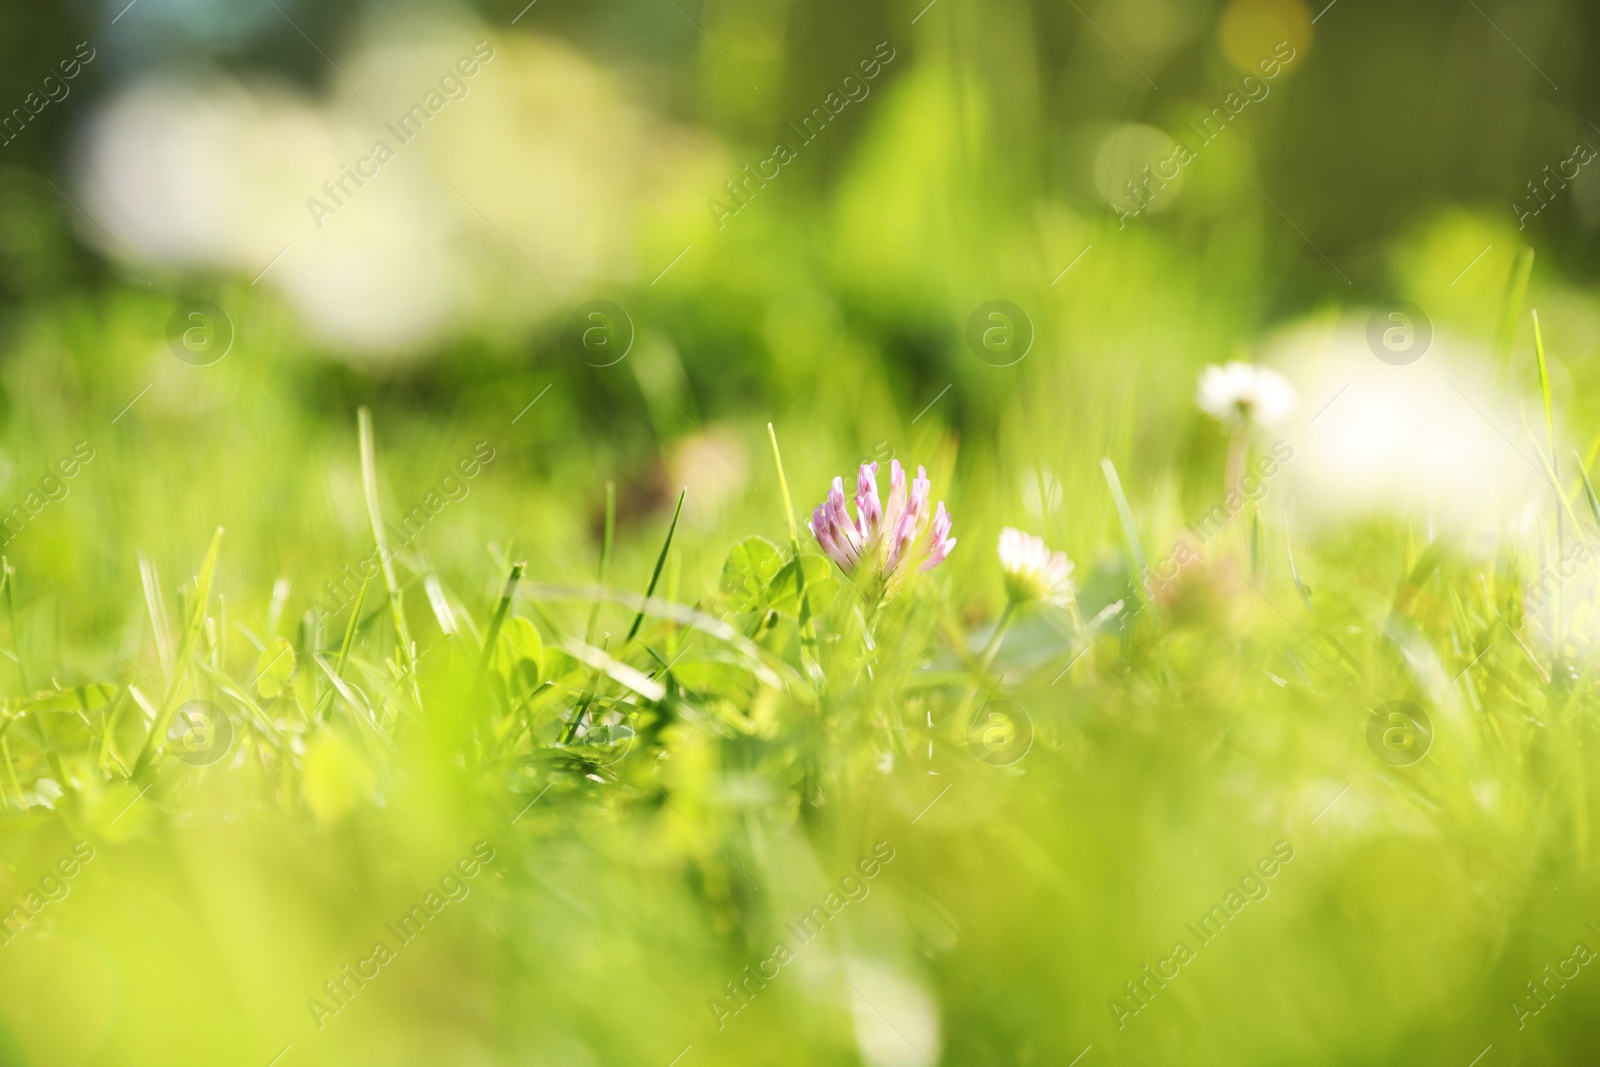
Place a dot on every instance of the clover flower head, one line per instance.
(1032, 572)
(883, 535)
(1245, 393)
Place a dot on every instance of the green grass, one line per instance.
(672, 762)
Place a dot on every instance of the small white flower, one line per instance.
(1032, 571)
(1243, 392)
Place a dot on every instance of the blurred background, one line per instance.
(615, 240)
(214, 151)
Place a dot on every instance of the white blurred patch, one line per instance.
(521, 193)
(896, 1019)
(1436, 441)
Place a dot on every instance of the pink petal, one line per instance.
(897, 495)
(819, 530)
(869, 513)
(940, 541)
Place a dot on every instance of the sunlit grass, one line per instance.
(675, 741)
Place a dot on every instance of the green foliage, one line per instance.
(274, 668)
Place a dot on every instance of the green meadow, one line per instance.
(436, 644)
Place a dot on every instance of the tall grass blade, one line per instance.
(808, 631)
(605, 555)
(156, 605)
(1544, 394)
(1516, 293)
(10, 578)
(661, 561)
(180, 670)
(1130, 532)
(369, 485)
(1258, 546)
(1588, 490)
(502, 609)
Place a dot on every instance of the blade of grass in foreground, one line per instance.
(346, 644)
(500, 611)
(9, 576)
(180, 666)
(661, 561)
(1544, 391)
(369, 486)
(808, 632)
(1588, 490)
(605, 556)
(1130, 532)
(157, 608)
(1554, 465)
(1516, 293)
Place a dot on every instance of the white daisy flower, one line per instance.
(1032, 571)
(1245, 393)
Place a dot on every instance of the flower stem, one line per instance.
(993, 647)
(985, 658)
(808, 631)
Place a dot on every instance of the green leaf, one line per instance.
(750, 566)
(84, 697)
(716, 676)
(520, 644)
(274, 667)
(783, 595)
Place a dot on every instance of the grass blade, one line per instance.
(605, 555)
(1258, 544)
(1516, 293)
(808, 630)
(501, 610)
(397, 612)
(1294, 572)
(9, 575)
(156, 606)
(1130, 532)
(1544, 392)
(180, 668)
(346, 644)
(1588, 490)
(661, 561)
